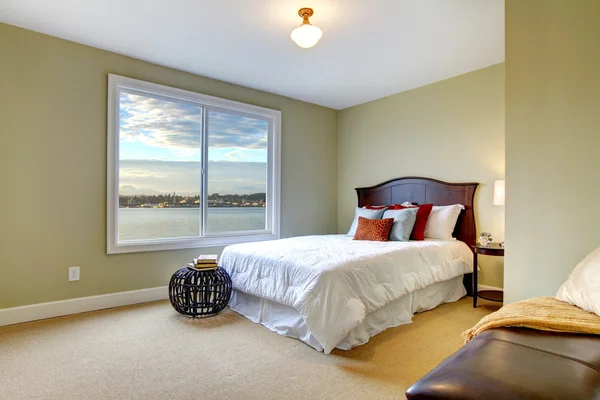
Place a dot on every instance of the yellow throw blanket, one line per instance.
(541, 313)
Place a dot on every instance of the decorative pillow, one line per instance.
(366, 213)
(423, 211)
(404, 220)
(442, 221)
(373, 229)
(582, 288)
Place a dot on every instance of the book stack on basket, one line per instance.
(204, 262)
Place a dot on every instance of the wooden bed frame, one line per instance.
(420, 190)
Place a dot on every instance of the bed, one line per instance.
(333, 292)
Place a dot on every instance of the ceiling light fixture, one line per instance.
(306, 35)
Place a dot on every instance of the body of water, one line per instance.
(160, 223)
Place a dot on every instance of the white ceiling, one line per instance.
(370, 49)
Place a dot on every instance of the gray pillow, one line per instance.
(404, 220)
(365, 213)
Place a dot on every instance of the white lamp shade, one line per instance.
(499, 190)
(306, 35)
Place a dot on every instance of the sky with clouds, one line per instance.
(160, 147)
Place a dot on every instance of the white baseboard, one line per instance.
(486, 287)
(33, 312)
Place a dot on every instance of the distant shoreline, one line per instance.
(185, 206)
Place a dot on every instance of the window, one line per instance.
(188, 170)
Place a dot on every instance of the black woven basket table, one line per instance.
(199, 293)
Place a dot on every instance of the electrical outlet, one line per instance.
(73, 274)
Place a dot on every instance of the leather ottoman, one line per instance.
(517, 363)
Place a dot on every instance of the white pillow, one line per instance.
(582, 288)
(441, 221)
(365, 213)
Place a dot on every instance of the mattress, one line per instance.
(286, 321)
(334, 282)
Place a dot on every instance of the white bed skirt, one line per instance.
(287, 321)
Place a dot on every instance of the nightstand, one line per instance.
(493, 249)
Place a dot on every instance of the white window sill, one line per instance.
(189, 243)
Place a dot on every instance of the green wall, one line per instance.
(552, 142)
(451, 130)
(53, 166)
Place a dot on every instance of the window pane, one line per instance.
(159, 168)
(237, 172)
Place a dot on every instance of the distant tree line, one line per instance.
(155, 199)
(237, 198)
(174, 198)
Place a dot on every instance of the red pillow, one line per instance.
(418, 232)
(375, 207)
(373, 229)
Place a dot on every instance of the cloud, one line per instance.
(224, 177)
(136, 173)
(236, 155)
(228, 130)
(160, 123)
(177, 126)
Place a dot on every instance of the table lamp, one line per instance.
(499, 195)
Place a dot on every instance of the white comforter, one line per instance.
(334, 281)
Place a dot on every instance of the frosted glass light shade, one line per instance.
(499, 190)
(306, 35)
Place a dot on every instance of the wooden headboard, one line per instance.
(419, 190)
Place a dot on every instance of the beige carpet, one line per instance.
(148, 351)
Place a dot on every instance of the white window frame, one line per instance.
(273, 195)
